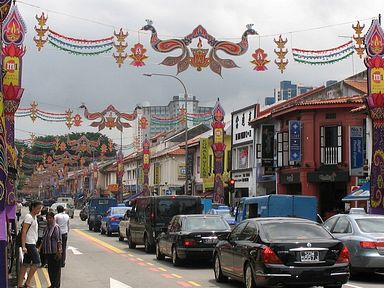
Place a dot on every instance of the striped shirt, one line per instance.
(52, 236)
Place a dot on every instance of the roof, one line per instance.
(361, 108)
(343, 100)
(191, 133)
(360, 85)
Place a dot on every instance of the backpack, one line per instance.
(18, 237)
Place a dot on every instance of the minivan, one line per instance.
(151, 215)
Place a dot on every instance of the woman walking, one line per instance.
(52, 250)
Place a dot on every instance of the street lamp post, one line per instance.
(186, 121)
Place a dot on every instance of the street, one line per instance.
(98, 261)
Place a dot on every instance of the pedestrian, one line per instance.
(19, 206)
(52, 249)
(42, 221)
(29, 237)
(62, 220)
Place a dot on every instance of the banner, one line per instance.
(294, 140)
(267, 145)
(157, 174)
(204, 158)
(356, 150)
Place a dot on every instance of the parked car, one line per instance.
(48, 202)
(279, 251)
(84, 212)
(363, 234)
(111, 219)
(150, 215)
(191, 237)
(68, 208)
(123, 225)
(226, 213)
(97, 207)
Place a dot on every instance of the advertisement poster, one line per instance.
(356, 150)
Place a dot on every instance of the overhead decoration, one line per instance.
(260, 60)
(374, 45)
(199, 60)
(146, 166)
(138, 55)
(5, 6)
(110, 118)
(77, 120)
(83, 145)
(359, 39)
(321, 57)
(143, 122)
(68, 118)
(120, 46)
(110, 145)
(281, 52)
(41, 30)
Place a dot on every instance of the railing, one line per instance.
(330, 156)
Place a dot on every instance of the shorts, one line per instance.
(32, 256)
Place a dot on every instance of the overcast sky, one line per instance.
(57, 80)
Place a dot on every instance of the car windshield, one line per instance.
(371, 225)
(224, 213)
(167, 208)
(205, 224)
(119, 210)
(294, 231)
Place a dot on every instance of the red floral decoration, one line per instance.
(138, 55)
(260, 60)
(143, 122)
(77, 120)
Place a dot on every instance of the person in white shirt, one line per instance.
(62, 220)
(29, 237)
(19, 206)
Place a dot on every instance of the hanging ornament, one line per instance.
(120, 47)
(83, 145)
(138, 55)
(199, 59)
(359, 39)
(57, 143)
(143, 122)
(33, 111)
(77, 120)
(68, 118)
(281, 62)
(62, 146)
(40, 40)
(182, 115)
(82, 162)
(260, 60)
(103, 149)
(110, 145)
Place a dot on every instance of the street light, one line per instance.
(186, 121)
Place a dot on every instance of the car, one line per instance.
(363, 234)
(280, 251)
(191, 237)
(48, 202)
(97, 207)
(68, 208)
(226, 213)
(123, 225)
(84, 212)
(151, 214)
(111, 219)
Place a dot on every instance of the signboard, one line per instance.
(181, 172)
(327, 176)
(356, 150)
(294, 140)
(290, 178)
(241, 131)
(157, 174)
(204, 158)
(377, 80)
(12, 67)
(267, 145)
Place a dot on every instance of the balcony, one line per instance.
(331, 155)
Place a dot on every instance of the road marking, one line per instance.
(177, 276)
(37, 280)
(162, 269)
(117, 284)
(74, 250)
(168, 276)
(353, 286)
(140, 263)
(150, 264)
(194, 283)
(102, 243)
(45, 272)
(184, 284)
(139, 259)
(153, 269)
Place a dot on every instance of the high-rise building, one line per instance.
(287, 91)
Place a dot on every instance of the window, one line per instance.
(371, 225)
(294, 231)
(331, 144)
(249, 232)
(282, 149)
(235, 235)
(330, 223)
(342, 226)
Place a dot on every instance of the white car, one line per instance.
(68, 208)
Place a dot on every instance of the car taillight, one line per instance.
(343, 256)
(269, 257)
(371, 245)
(189, 242)
(114, 219)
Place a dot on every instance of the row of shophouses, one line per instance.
(317, 143)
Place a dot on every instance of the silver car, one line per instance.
(363, 234)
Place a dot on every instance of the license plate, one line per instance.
(210, 241)
(309, 256)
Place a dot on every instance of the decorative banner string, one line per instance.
(76, 46)
(349, 43)
(85, 41)
(78, 52)
(324, 62)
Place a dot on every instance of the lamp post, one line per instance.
(186, 121)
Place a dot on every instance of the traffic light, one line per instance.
(231, 185)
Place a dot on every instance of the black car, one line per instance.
(191, 236)
(281, 251)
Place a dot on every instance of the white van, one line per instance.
(68, 200)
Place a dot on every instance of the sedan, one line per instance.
(226, 213)
(123, 225)
(363, 234)
(281, 251)
(111, 219)
(191, 236)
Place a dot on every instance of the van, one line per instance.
(68, 200)
(96, 209)
(151, 215)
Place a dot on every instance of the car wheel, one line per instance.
(121, 238)
(147, 245)
(249, 278)
(90, 226)
(219, 276)
(96, 229)
(109, 233)
(175, 258)
(72, 216)
(131, 245)
(159, 255)
(102, 231)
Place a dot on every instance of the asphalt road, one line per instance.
(98, 261)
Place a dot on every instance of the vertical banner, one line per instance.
(204, 158)
(157, 174)
(356, 150)
(190, 162)
(146, 166)
(294, 140)
(267, 148)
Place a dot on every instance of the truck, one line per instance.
(276, 205)
(96, 209)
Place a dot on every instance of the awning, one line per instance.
(360, 194)
(132, 197)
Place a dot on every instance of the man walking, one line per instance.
(62, 220)
(29, 237)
